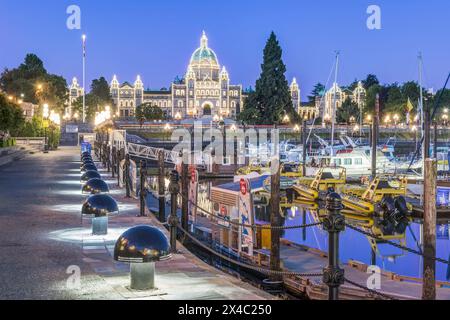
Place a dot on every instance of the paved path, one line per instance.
(42, 235)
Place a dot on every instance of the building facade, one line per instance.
(337, 95)
(204, 90)
(75, 91)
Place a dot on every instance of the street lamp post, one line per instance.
(45, 115)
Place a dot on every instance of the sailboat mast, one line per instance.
(333, 116)
(421, 95)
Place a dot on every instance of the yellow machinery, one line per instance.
(252, 168)
(322, 182)
(363, 201)
(290, 170)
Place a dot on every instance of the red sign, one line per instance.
(193, 174)
(223, 211)
(243, 186)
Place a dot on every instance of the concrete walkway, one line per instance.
(44, 242)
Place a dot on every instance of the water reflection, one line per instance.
(354, 245)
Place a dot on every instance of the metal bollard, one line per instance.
(174, 189)
(333, 223)
(143, 191)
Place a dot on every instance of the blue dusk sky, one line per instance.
(156, 38)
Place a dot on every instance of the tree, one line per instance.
(100, 89)
(148, 112)
(272, 98)
(370, 81)
(11, 116)
(33, 81)
(96, 99)
(347, 110)
(318, 91)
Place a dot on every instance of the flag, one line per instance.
(409, 106)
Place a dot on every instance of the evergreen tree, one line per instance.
(272, 98)
(318, 91)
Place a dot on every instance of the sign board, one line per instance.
(224, 212)
(246, 215)
(71, 128)
(442, 232)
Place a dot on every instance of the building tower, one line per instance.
(114, 90)
(138, 91)
(295, 95)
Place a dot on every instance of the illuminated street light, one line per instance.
(396, 118)
(296, 128)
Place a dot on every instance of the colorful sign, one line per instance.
(246, 215)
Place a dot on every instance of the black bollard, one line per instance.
(333, 223)
(143, 191)
(174, 189)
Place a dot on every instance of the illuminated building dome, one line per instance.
(204, 56)
(204, 61)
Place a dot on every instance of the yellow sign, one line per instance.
(45, 123)
(409, 106)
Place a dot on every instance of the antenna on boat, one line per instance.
(333, 116)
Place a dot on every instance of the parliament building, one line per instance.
(205, 90)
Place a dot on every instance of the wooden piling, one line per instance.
(275, 221)
(429, 230)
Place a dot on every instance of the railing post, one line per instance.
(333, 223)
(161, 187)
(113, 161)
(119, 159)
(143, 191)
(127, 176)
(174, 189)
(108, 158)
(185, 196)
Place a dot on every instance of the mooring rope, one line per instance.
(246, 265)
(251, 225)
(392, 243)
